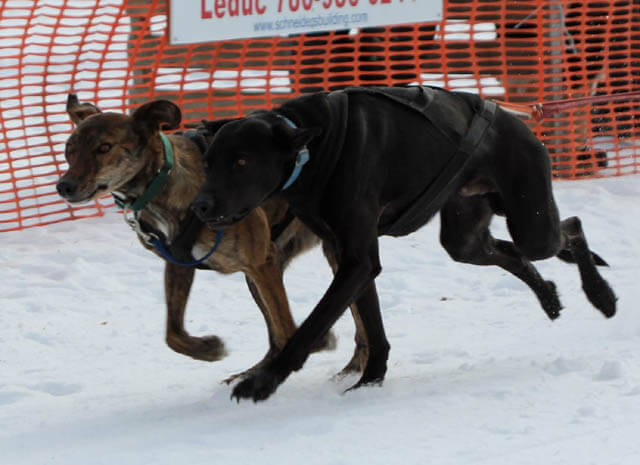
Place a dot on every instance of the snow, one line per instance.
(477, 373)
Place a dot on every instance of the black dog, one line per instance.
(383, 161)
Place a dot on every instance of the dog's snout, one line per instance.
(202, 207)
(67, 188)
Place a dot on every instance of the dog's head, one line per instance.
(248, 160)
(107, 150)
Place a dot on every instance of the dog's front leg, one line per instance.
(177, 285)
(354, 278)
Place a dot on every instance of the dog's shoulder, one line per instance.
(199, 136)
(315, 101)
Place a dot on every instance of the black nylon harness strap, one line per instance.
(479, 125)
(419, 105)
(431, 197)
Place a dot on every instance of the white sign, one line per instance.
(192, 21)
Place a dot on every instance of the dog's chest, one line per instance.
(160, 222)
(214, 262)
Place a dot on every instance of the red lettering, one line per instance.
(219, 8)
(204, 14)
(222, 8)
(234, 7)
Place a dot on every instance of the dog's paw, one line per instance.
(348, 370)
(257, 386)
(602, 297)
(373, 374)
(369, 382)
(207, 349)
(550, 301)
(355, 365)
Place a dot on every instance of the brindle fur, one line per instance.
(111, 152)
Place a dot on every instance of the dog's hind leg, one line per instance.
(465, 236)
(524, 182)
(177, 285)
(370, 319)
(595, 286)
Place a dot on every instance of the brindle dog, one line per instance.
(115, 153)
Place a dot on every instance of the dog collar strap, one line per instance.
(162, 250)
(156, 184)
(301, 159)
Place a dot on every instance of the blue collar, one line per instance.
(301, 159)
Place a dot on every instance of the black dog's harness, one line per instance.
(179, 251)
(429, 201)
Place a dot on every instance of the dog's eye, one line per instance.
(241, 161)
(104, 148)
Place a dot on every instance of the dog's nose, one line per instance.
(67, 187)
(202, 208)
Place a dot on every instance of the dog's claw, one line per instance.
(361, 383)
(257, 386)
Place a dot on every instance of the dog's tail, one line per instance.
(566, 256)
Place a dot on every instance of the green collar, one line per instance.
(155, 185)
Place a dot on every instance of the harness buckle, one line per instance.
(131, 218)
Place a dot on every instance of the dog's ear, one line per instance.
(79, 111)
(214, 126)
(295, 138)
(159, 114)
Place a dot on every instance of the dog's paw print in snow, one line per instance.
(634, 392)
(610, 371)
(425, 358)
(563, 366)
(56, 389)
(8, 397)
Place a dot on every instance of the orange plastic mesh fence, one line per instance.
(116, 55)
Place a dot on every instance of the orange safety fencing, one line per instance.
(115, 53)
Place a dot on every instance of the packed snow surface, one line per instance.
(477, 373)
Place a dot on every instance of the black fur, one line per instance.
(376, 154)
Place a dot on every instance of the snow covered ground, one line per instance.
(477, 373)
